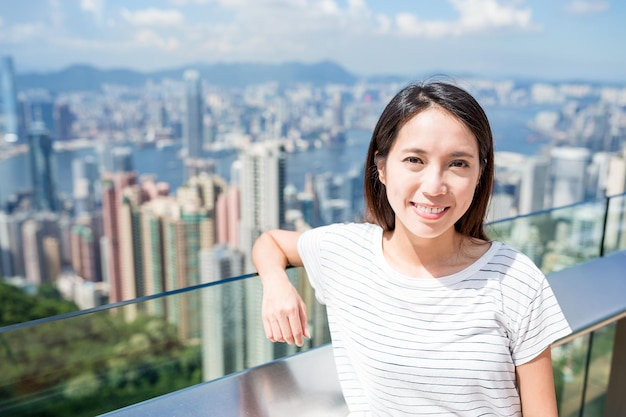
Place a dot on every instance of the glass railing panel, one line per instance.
(599, 371)
(615, 235)
(569, 362)
(102, 360)
(557, 238)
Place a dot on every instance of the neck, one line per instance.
(432, 257)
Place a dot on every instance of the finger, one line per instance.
(304, 323)
(285, 328)
(277, 334)
(268, 329)
(296, 330)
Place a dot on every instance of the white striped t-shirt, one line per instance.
(407, 346)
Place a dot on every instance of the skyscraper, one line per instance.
(12, 242)
(112, 187)
(227, 217)
(41, 248)
(193, 128)
(185, 234)
(42, 168)
(262, 208)
(85, 254)
(533, 184)
(616, 184)
(223, 335)
(40, 109)
(9, 100)
(63, 122)
(85, 180)
(568, 174)
(262, 184)
(122, 159)
(152, 214)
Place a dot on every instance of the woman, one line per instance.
(427, 315)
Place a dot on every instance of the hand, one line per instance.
(284, 313)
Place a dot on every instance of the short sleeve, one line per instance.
(309, 248)
(536, 318)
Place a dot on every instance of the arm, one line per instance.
(536, 384)
(283, 311)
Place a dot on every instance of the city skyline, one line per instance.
(564, 39)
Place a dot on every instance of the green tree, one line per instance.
(19, 307)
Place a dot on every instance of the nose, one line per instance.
(433, 181)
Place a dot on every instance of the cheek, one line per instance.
(469, 194)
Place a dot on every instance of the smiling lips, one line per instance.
(430, 212)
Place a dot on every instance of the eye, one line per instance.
(459, 164)
(413, 160)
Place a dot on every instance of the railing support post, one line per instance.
(607, 205)
(615, 404)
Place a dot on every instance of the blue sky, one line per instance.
(551, 39)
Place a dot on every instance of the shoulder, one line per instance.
(342, 231)
(511, 261)
(340, 240)
(519, 276)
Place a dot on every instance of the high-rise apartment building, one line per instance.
(227, 217)
(616, 177)
(121, 159)
(112, 187)
(11, 243)
(63, 122)
(31, 250)
(154, 257)
(6, 259)
(193, 134)
(262, 180)
(129, 232)
(40, 109)
(262, 183)
(339, 197)
(533, 185)
(568, 174)
(185, 234)
(85, 252)
(43, 172)
(9, 100)
(41, 248)
(223, 335)
(616, 185)
(85, 178)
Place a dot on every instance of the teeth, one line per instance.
(431, 210)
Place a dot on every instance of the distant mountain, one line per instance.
(89, 78)
(79, 77)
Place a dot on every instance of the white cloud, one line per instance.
(147, 37)
(473, 16)
(57, 17)
(411, 25)
(487, 14)
(186, 2)
(587, 6)
(95, 7)
(384, 24)
(23, 32)
(153, 17)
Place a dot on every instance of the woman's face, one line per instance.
(430, 174)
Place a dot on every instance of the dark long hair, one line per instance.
(410, 101)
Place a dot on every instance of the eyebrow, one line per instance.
(455, 154)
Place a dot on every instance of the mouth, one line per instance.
(428, 210)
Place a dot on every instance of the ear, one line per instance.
(380, 168)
